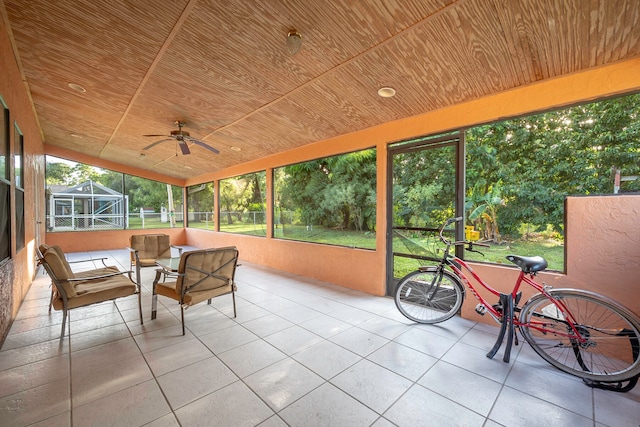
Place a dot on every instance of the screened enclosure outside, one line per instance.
(200, 212)
(330, 200)
(243, 204)
(86, 198)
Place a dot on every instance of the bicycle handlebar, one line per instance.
(460, 242)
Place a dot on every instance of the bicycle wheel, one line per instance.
(427, 297)
(611, 334)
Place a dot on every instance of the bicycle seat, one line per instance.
(528, 264)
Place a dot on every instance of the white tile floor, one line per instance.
(300, 353)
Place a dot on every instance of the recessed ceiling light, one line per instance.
(75, 135)
(294, 42)
(77, 88)
(236, 148)
(386, 92)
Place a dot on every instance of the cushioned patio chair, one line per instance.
(85, 273)
(73, 290)
(145, 249)
(202, 275)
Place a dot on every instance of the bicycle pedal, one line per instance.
(481, 309)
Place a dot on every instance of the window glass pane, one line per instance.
(4, 142)
(152, 204)
(20, 229)
(5, 184)
(519, 172)
(5, 223)
(18, 157)
(243, 204)
(200, 206)
(82, 197)
(330, 200)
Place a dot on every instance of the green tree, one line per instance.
(334, 192)
(541, 159)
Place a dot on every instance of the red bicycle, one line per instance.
(579, 332)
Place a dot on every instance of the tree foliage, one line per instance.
(537, 161)
(334, 192)
(240, 194)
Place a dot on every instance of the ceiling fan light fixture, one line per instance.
(386, 92)
(294, 42)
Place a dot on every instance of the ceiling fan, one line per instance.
(183, 138)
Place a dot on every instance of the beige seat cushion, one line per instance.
(168, 289)
(99, 290)
(88, 292)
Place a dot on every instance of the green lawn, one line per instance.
(135, 223)
(551, 250)
(349, 238)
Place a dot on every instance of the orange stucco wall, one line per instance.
(603, 246)
(17, 272)
(108, 239)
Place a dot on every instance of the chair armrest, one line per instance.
(135, 254)
(178, 248)
(101, 276)
(90, 260)
(137, 258)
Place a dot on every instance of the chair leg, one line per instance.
(140, 304)
(154, 297)
(182, 316)
(233, 296)
(51, 299)
(64, 322)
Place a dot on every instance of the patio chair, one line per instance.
(74, 290)
(145, 249)
(202, 275)
(85, 273)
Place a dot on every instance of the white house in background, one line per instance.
(89, 206)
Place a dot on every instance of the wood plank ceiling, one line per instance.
(222, 67)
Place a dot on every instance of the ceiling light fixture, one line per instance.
(77, 88)
(294, 42)
(386, 92)
(234, 148)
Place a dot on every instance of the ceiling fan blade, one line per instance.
(184, 147)
(156, 143)
(155, 135)
(204, 145)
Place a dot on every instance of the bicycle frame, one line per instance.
(453, 262)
